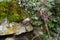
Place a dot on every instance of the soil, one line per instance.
(24, 36)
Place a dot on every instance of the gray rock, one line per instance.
(9, 39)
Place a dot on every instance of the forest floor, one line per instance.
(24, 36)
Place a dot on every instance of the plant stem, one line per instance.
(47, 30)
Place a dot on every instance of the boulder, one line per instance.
(15, 28)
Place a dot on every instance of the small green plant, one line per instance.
(12, 11)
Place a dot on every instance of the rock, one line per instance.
(11, 24)
(14, 28)
(9, 31)
(5, 31)
(0, 28)
(9, 39)
(29, 28)
(5, 28)
(27, 24)
(5, 22)
(21, 29)
(27, 20)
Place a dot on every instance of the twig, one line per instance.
(36, 37)
(57, 36)
(47, 30)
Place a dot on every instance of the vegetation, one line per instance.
(43, 13)
(11, 11)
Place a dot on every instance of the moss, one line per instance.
(12, 11)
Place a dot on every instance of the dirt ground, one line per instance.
(24, 36)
